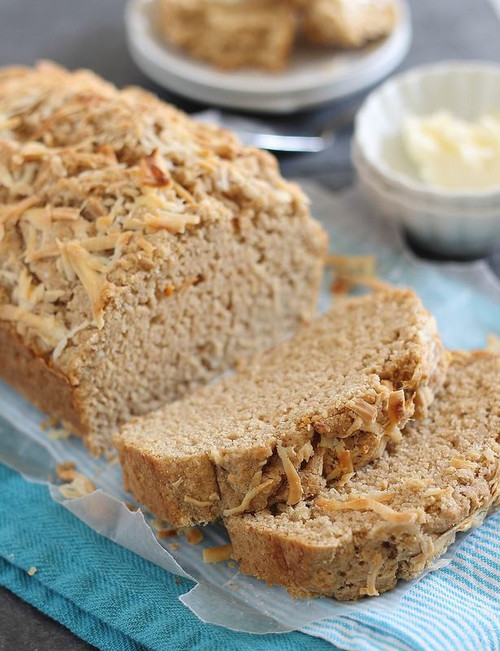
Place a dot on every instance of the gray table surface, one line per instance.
(89, 33)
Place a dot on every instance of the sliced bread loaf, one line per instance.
(137, 249)
(397, 515)
(312, 410)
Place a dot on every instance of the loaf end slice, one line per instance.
(396, 516)
(309, 412)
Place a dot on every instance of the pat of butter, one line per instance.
(452, 153)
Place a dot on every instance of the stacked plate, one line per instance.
(314, 77)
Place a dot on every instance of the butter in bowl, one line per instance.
(427, 153)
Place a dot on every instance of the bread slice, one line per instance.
(347, 23)
(393, 518)
(137, 249)
(230, 35)
(314, 409)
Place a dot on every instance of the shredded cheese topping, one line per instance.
(95, 181)
(364, 410)
(346, 466)
(367, 504)
(371, 584)
(200, 503)
(251, 494)
(294, 483)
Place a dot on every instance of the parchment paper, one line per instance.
(465, 299)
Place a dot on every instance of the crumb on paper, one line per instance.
(233, 587)
(131, 507)
(178, 581)
(49, 422)
(66, 470)
(112, 459)
(194, 536)
(174, 546)
(158, 524)
(167, 533)
(493, 343)
(231, 564)
(32, 571)
(218, 554)
(58, 434)
(79, 487)
(76, 485)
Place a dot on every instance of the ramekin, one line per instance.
(462, 223)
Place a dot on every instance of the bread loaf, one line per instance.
(141, 253)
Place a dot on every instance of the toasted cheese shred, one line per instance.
(252, 493)
(371, 584)
(218, 554)
(294, 483)
(195, 502)
(356, 425)
(364, 410)
(346, 466)
(459, 463)
(194, 536)
(173, 222)
(93, 282)
(396, 408)
(13, 212)
(49, 329)
(366, 504)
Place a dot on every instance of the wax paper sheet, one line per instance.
(466, 301)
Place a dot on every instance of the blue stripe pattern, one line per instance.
(456, 608)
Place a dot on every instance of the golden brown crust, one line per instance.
(28, 371)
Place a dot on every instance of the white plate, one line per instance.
(314, 77)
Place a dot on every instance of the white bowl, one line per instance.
(456, 223)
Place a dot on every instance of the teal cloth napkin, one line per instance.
(105, 594)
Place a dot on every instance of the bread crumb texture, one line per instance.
(397, 515)
(309, 412)
(137, 248)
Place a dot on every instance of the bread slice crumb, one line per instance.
(76, 485)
